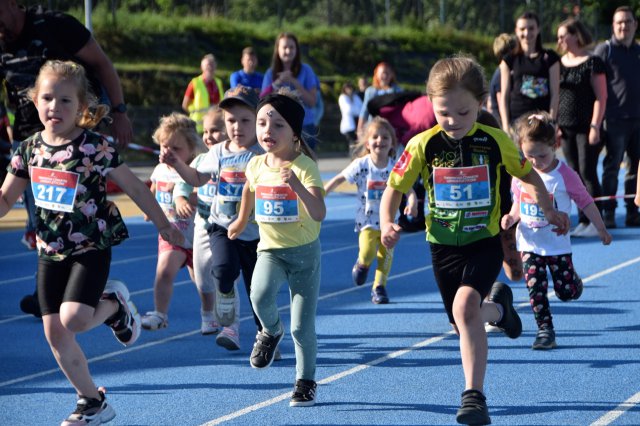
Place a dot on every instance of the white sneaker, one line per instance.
(578, 230)
(209, 324)
(126, 325)
(229, 338)
(226, 307)
(589, 231)
(155, 320)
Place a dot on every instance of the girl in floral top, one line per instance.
(67, 167)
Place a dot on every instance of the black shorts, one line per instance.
(475, 265)
(79, 279)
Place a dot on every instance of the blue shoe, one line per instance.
(359, 274)
(379, 295)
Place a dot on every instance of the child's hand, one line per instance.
(145, 217)
(605, 236)
(171, 235)
(183, 208)
(234, 230)
(168, 157)
(507, 221)
(288, 176)
(390, 234)
(560, 220)
(411, 209)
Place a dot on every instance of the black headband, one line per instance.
(288, 108)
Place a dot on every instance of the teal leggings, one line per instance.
(300, 267)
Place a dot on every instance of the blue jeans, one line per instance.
(621, 136)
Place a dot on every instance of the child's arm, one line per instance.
(534, 186)
(12, 188)
(184, 209)
(311, 198)
(247, 205)
(189, 174)
(411, 209)
(389, 205)
(335, 182)
(637, 199)
(141, 195)
(511, 218)
(593, 214)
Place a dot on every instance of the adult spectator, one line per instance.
(583, 98)
(621, 55)
(384, 82)
(247, 76)
(350, 106)
(502, 45)
(529, 77)
(203, 91)
(287, 69)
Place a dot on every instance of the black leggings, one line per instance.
(80, 278)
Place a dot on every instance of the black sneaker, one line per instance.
(510, 323)
(545, 339)
(264, 349)
(359, 274)
(304, 394)
(632, 220)
(379, 295)
(473, 410)
(609, 218)
(90, 411)
(125, 323)
(29, 305)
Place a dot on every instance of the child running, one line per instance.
(377, 155)
(224, 166)
(285, 189)
(176, 133)
(540, 247)
(67, 166)
(460, 162)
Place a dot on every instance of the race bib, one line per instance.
(54, 189)
(531, 213)
(230, 185)
(207, 192)
(276, 204)
(374, 193)
(461, 187)
(164, 194)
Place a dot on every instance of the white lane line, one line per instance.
(612, 415)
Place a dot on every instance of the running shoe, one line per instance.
(229, 338)
(155, 320)
(125, 323)
(226, 307)
(578, 230)
(208, 325)
(473, 410)
(264, 349)
(90, 411)
(379, 295)
(359, 274)
(510, 323)
(304, 393)
(545, 339)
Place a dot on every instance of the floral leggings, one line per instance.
(566, 283)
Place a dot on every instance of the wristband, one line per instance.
(594, 126)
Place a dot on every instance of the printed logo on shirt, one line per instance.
(474, 228)
(403, 162)
(480, 213)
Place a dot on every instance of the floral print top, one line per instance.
(73, 215)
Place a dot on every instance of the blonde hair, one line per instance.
(504, 44)
(537, 127)
(360, 149)
(457, 72)
(217, 116)
(91, 112)
(182, 125)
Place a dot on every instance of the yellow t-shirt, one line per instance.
(282, 219)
